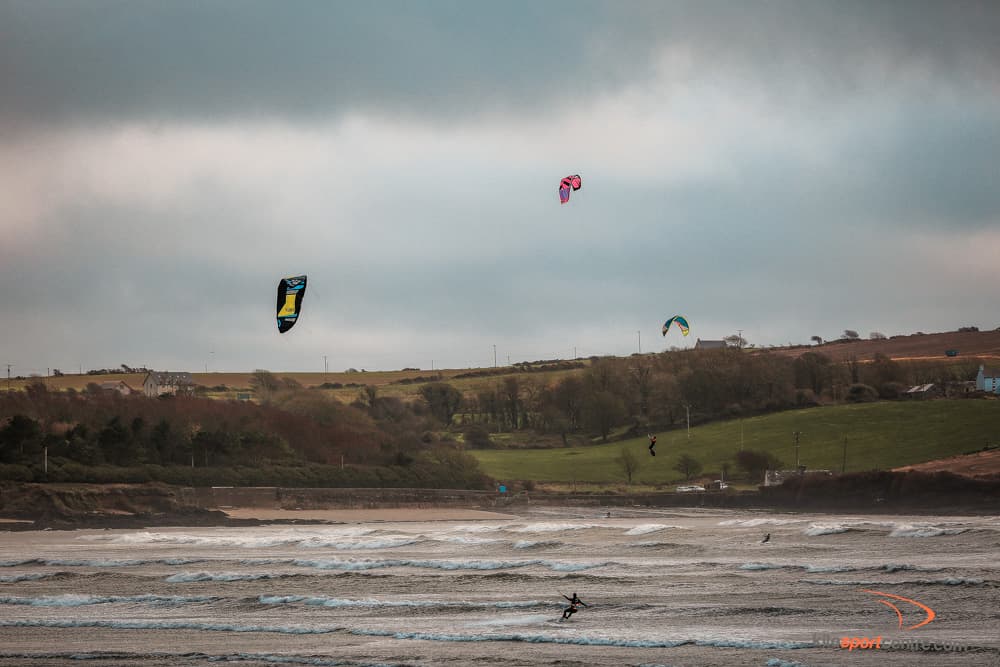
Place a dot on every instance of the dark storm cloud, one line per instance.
(113, 60)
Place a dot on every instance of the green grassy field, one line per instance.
(879, 435)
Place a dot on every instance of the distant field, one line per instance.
(388, 382)
(879, 435)
(982, 344)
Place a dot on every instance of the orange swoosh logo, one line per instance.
(930, 615)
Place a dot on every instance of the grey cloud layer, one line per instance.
(111, 60)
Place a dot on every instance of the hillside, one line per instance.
(982, 344)
(880, 435)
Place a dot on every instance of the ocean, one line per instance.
(662, 587)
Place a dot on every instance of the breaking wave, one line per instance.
(326, 538)
(648, 528)
(817, 529)
(751, 523)
(923, 530)
(529, 544)
(372, 603)
(554, 527)
(14, 578)
(76, 600)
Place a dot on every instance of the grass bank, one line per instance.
(879, 436)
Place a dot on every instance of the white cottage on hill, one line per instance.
(157, 383)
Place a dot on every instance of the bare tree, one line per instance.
(817, 339)
(851, 334)
(629, 463)
(875, 335)
(688, 466)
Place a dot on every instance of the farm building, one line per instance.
(157, 383)
(118, 386)
(988, 379)
(710, 344)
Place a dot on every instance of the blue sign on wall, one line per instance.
(503, 489)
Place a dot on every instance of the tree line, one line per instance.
(296, 434)
(637, 394)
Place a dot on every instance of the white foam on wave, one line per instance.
(923, 530)
(553, 527)
(374, 603)
(477, 528)
(360, 543)
(762, 566)
(526, 619)
(79, 600)
(473, 541)
(647, 528)
(320, 538)
(532, 544)
(14, 578)
(830, 568)
(817, 529)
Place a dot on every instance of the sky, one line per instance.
(788, 169)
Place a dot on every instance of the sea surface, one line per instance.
(663, 587)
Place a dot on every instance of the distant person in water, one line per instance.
(652, 444)
(574, 602)
(767, 538)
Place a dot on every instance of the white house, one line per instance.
(988, 379)
(157, 383)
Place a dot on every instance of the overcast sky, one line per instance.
(786, 168)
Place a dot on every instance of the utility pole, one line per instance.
(739, 341)
(741, 434)
(687, 411)
(843, 465)
(574, 352)
(639, 333)
(8, 377)
(796, 435)
(494, 355)
(326, 366)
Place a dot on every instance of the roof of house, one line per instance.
(114, 384)
(710, 344)
(168, 378)
(920, 388)
(990, 372)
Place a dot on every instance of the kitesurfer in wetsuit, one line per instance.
(767, 538)
(652, 444)
(573, 603)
